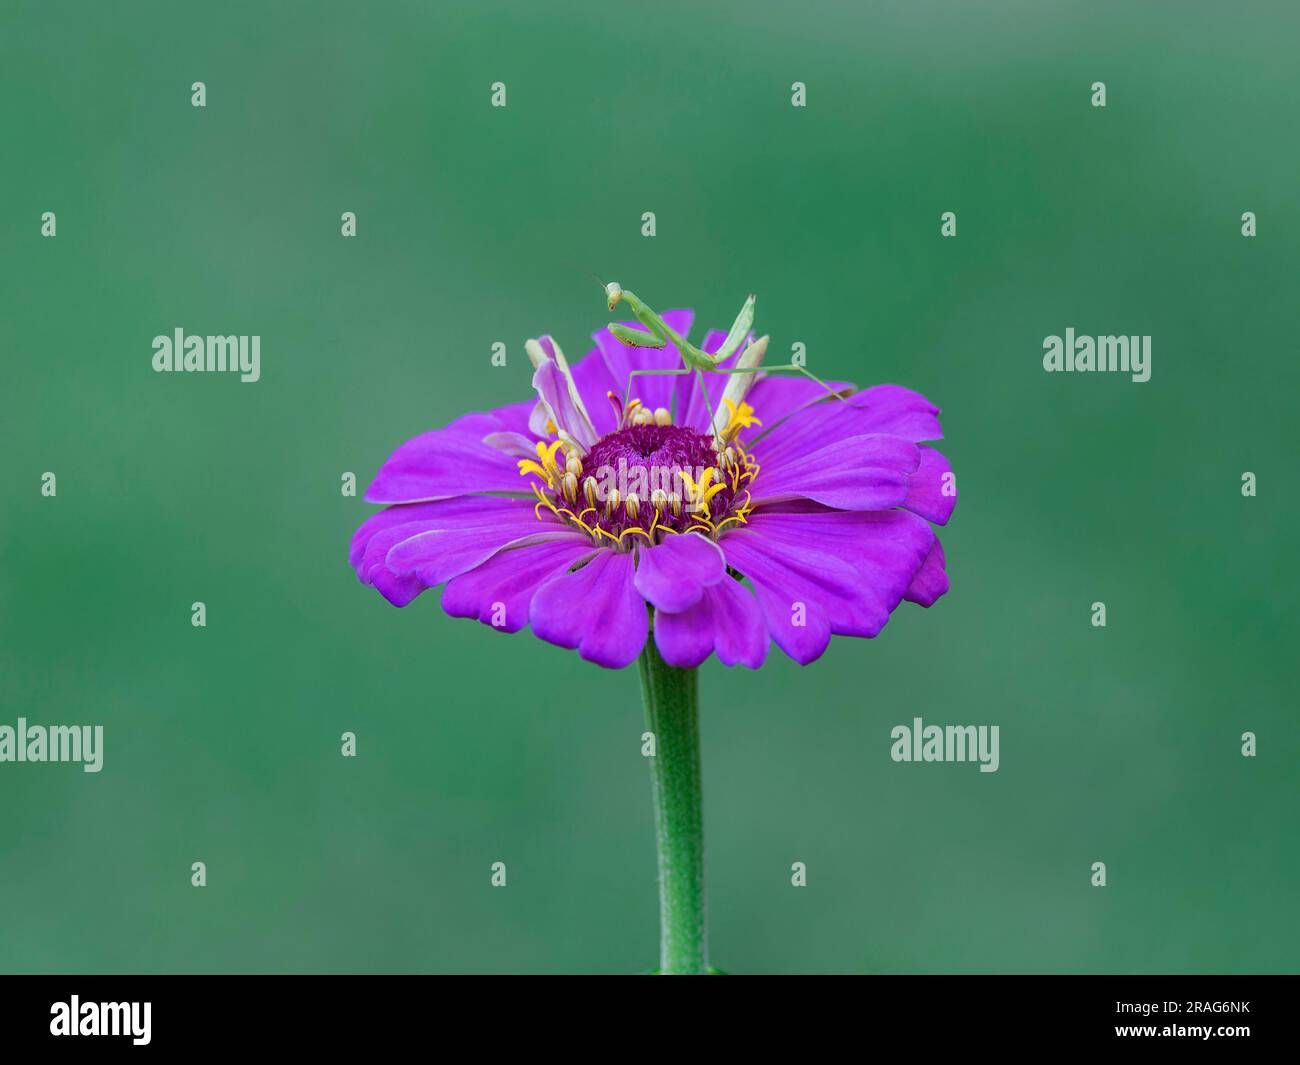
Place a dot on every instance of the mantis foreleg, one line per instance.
(637, 338)
(739, 330)
(691, 355)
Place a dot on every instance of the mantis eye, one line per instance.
(613, 293)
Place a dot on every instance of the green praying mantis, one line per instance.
(697, 361)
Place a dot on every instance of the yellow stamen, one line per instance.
(708, 496)
(696, 491)
(742, 417)
(546, 454)
(527, 466)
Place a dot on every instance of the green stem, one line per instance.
(672, 714)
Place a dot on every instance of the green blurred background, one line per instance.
(478, 224)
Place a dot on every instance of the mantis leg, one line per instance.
(677, 373)
(738, 331)
(704, 391)
(627, 396)
(635, 338)
(802, 369)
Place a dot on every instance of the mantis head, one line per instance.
(613, 293)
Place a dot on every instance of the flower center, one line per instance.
(647, 479)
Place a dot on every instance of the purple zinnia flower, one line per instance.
(571, 512)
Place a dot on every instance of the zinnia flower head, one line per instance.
(792, 516)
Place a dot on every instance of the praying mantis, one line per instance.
(697, 361)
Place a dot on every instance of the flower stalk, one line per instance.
(672, 714)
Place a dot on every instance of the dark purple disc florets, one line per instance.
(642, 471)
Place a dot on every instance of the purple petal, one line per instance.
(673, 575)
(553, 389)
(726, 619)
(775, 397)
(926, 494)
(440, 554)
(885, 548)
(886, 409)
(795, 589)
(380, 532)
(466, 506)
(505, 583)
(898, 411)
(516, 445)
(859, 473)
(448, 462)
(398, 590)
(931, 581)
(848, 583)
(595, 382)
(514, 417)
(595, 609)
(375, 557)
